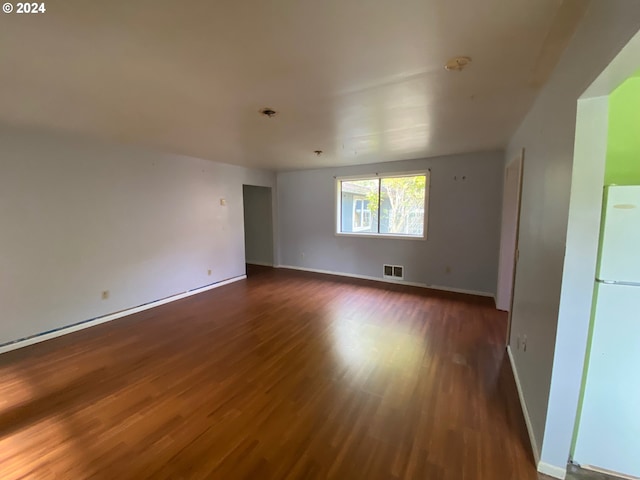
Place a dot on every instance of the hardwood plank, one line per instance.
(287, 375)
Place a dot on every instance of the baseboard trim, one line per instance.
(552, 470)
(385, 280)
(525, 410)
(41, 337)
(609, 473)
(542, 467)
(262, 264)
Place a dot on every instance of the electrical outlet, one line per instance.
(105, 294)
(223, 202)
(209, 272)
(524, 343)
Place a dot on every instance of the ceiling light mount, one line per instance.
(268, 112)
(457, 64)
(317, 152)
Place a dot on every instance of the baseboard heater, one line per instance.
(74, 327)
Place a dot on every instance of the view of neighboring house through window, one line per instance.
(383, 205)
(361, 215)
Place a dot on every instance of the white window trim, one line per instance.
(394, 236)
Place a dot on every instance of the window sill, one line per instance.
(378, 235)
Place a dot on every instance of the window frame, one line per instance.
(381, 176)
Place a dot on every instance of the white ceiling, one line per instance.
(362, 80)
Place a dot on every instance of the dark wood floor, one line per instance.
(286, 375)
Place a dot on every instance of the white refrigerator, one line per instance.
(608, 434)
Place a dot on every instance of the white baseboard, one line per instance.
(262, 264)
(113, 316)
(542, 467)
(552, 470)
(523, 404)
(609, 473)
(385, 280)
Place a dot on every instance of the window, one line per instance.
(361, 215)
(385, 206)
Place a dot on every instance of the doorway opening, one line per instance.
(607, 422)
(258, 228)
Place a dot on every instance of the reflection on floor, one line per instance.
(286, 375)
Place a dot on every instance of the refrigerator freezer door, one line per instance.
(620, 237)
(609, 429)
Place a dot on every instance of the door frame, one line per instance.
(516, 249)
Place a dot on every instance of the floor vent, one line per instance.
(395, 272)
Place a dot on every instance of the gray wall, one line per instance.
(80, 216)
(258, 225)
(548, 134)
(463, 225)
